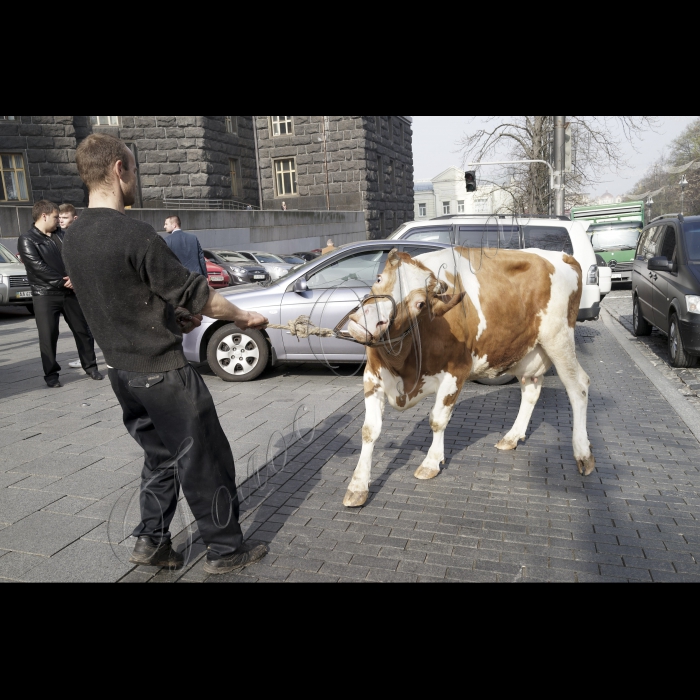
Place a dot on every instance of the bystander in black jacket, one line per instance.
(42, 257)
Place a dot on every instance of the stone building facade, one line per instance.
(339, 163)
(310, 163)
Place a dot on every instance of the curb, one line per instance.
(666, 388)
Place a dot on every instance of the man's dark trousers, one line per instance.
(172, 417)
(47, 311)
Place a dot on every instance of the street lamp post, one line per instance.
(650, 204)
(683, 183)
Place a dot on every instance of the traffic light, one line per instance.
(470, 177)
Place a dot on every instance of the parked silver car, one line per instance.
(325, 289)
(14, 285)
(272, 263)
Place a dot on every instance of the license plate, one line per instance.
(258, 277)
(23, 295)
(216, 278)
(617, 277)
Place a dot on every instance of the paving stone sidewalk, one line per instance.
(522, 516)
(515, 517)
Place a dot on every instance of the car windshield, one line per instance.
(292, 260)
(605, 237)
(233, 257)
(692, 238)
(266, 258)
(6, 256)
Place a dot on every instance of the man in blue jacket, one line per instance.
(185, 246)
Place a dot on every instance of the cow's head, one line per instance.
(415, 291)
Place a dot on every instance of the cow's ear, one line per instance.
(443, 304)
(394, 259)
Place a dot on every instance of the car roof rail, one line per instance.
(680, 217)
(500, 216)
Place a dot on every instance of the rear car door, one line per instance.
(554, 238)
(642, 279)
(663, 282)
(335, 288)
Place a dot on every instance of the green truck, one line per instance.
(614, 233)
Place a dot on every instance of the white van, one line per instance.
(521, 233)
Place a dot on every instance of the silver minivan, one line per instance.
(14, 285)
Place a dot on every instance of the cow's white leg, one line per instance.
(530, 388)
(576, 382)
(447, 394)
(358, 490)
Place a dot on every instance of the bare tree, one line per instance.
(598, 144)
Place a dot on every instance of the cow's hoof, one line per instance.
(355, 499)
(507, 445)
(586, 466)
(425, 473)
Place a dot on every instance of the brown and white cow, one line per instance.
(462, 314)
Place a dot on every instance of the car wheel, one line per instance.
(675, 346)
(238, 356)
(639, 323)
(30, 308)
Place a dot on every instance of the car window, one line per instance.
(551, 238)
(642, 243)
(268, 258)
(360, 270)
(6, 256)
(436, 234)
(419, 250)
(651, 244)
(232, 257)
(692, 239)
(668, 247)
(489, 236)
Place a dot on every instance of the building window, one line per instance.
(380, 173)
(104, 121)
(445, 207)
(422, 210)
(235, 176)
(460, 206)
(281, 126)
(232, 125)
(13, 180)
(7, 119)
(286, 177)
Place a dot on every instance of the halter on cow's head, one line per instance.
(405, 292)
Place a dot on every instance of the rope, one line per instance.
(303, 328)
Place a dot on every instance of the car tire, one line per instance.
(30, 308)
(675, 346)
(640, 325)
(238, 356)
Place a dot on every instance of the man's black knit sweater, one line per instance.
(128, 283)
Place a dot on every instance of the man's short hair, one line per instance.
(43, 207)
(176, 219)
(67, 209)
(96, 157)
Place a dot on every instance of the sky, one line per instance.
(435, 149)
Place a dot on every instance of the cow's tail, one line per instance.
(575, 298)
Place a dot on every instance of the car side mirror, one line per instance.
(660, 264)
(301, 286)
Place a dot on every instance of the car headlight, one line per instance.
(593, 275)
(238, 270)
(693, 304)
(281, 271)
